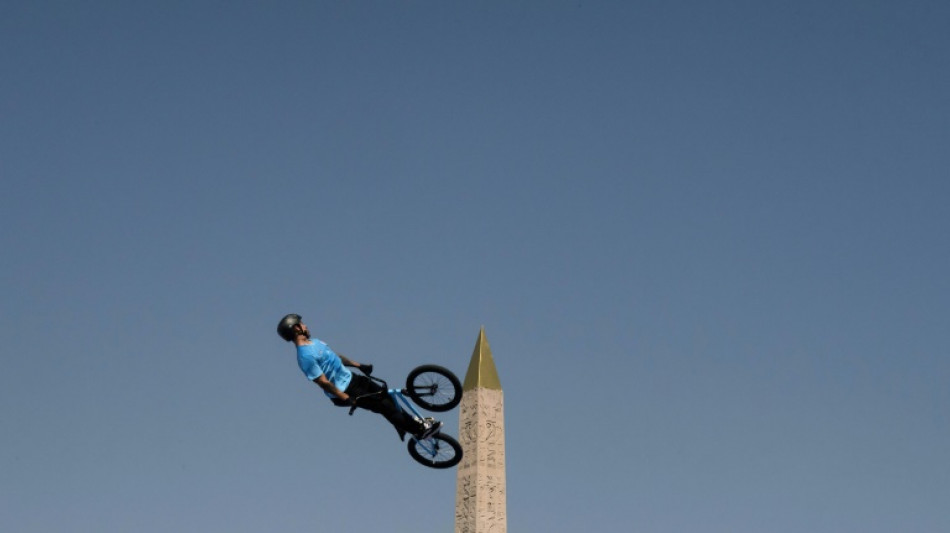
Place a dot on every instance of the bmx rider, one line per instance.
(329, 371)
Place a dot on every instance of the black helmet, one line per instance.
(286, 327)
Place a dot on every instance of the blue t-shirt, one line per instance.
(317, 358)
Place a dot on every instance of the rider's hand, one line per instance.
(366, 369)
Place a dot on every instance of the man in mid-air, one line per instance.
(328, 370)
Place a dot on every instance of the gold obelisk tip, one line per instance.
(481, 370)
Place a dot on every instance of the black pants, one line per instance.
(379, 403)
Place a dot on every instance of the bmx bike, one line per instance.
(433, 388)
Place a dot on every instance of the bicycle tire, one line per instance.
(434, 388)
(437, 451)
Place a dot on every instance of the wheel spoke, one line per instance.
(438, 451)
(434, 388)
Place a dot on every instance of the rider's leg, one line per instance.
(383, 404)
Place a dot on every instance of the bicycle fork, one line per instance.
(429, 445)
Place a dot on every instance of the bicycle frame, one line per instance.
(437, 450)
(400, 400)
(404, 404)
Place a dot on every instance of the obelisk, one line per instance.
(480, 488)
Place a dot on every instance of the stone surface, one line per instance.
(480, 501)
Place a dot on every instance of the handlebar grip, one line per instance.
(352, 409)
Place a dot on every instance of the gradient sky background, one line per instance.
(709, 243)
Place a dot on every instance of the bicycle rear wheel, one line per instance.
(434, 388)
(437, 451)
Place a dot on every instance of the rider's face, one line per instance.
(304, 330)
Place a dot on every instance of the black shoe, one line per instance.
(431, 426)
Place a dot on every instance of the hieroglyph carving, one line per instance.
(481, 499)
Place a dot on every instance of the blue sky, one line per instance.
(708, 243)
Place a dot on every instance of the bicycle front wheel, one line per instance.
(437, 451)
(434, 388)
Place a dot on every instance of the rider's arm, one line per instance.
(364, 368)
(348, 362)
(326, 385)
